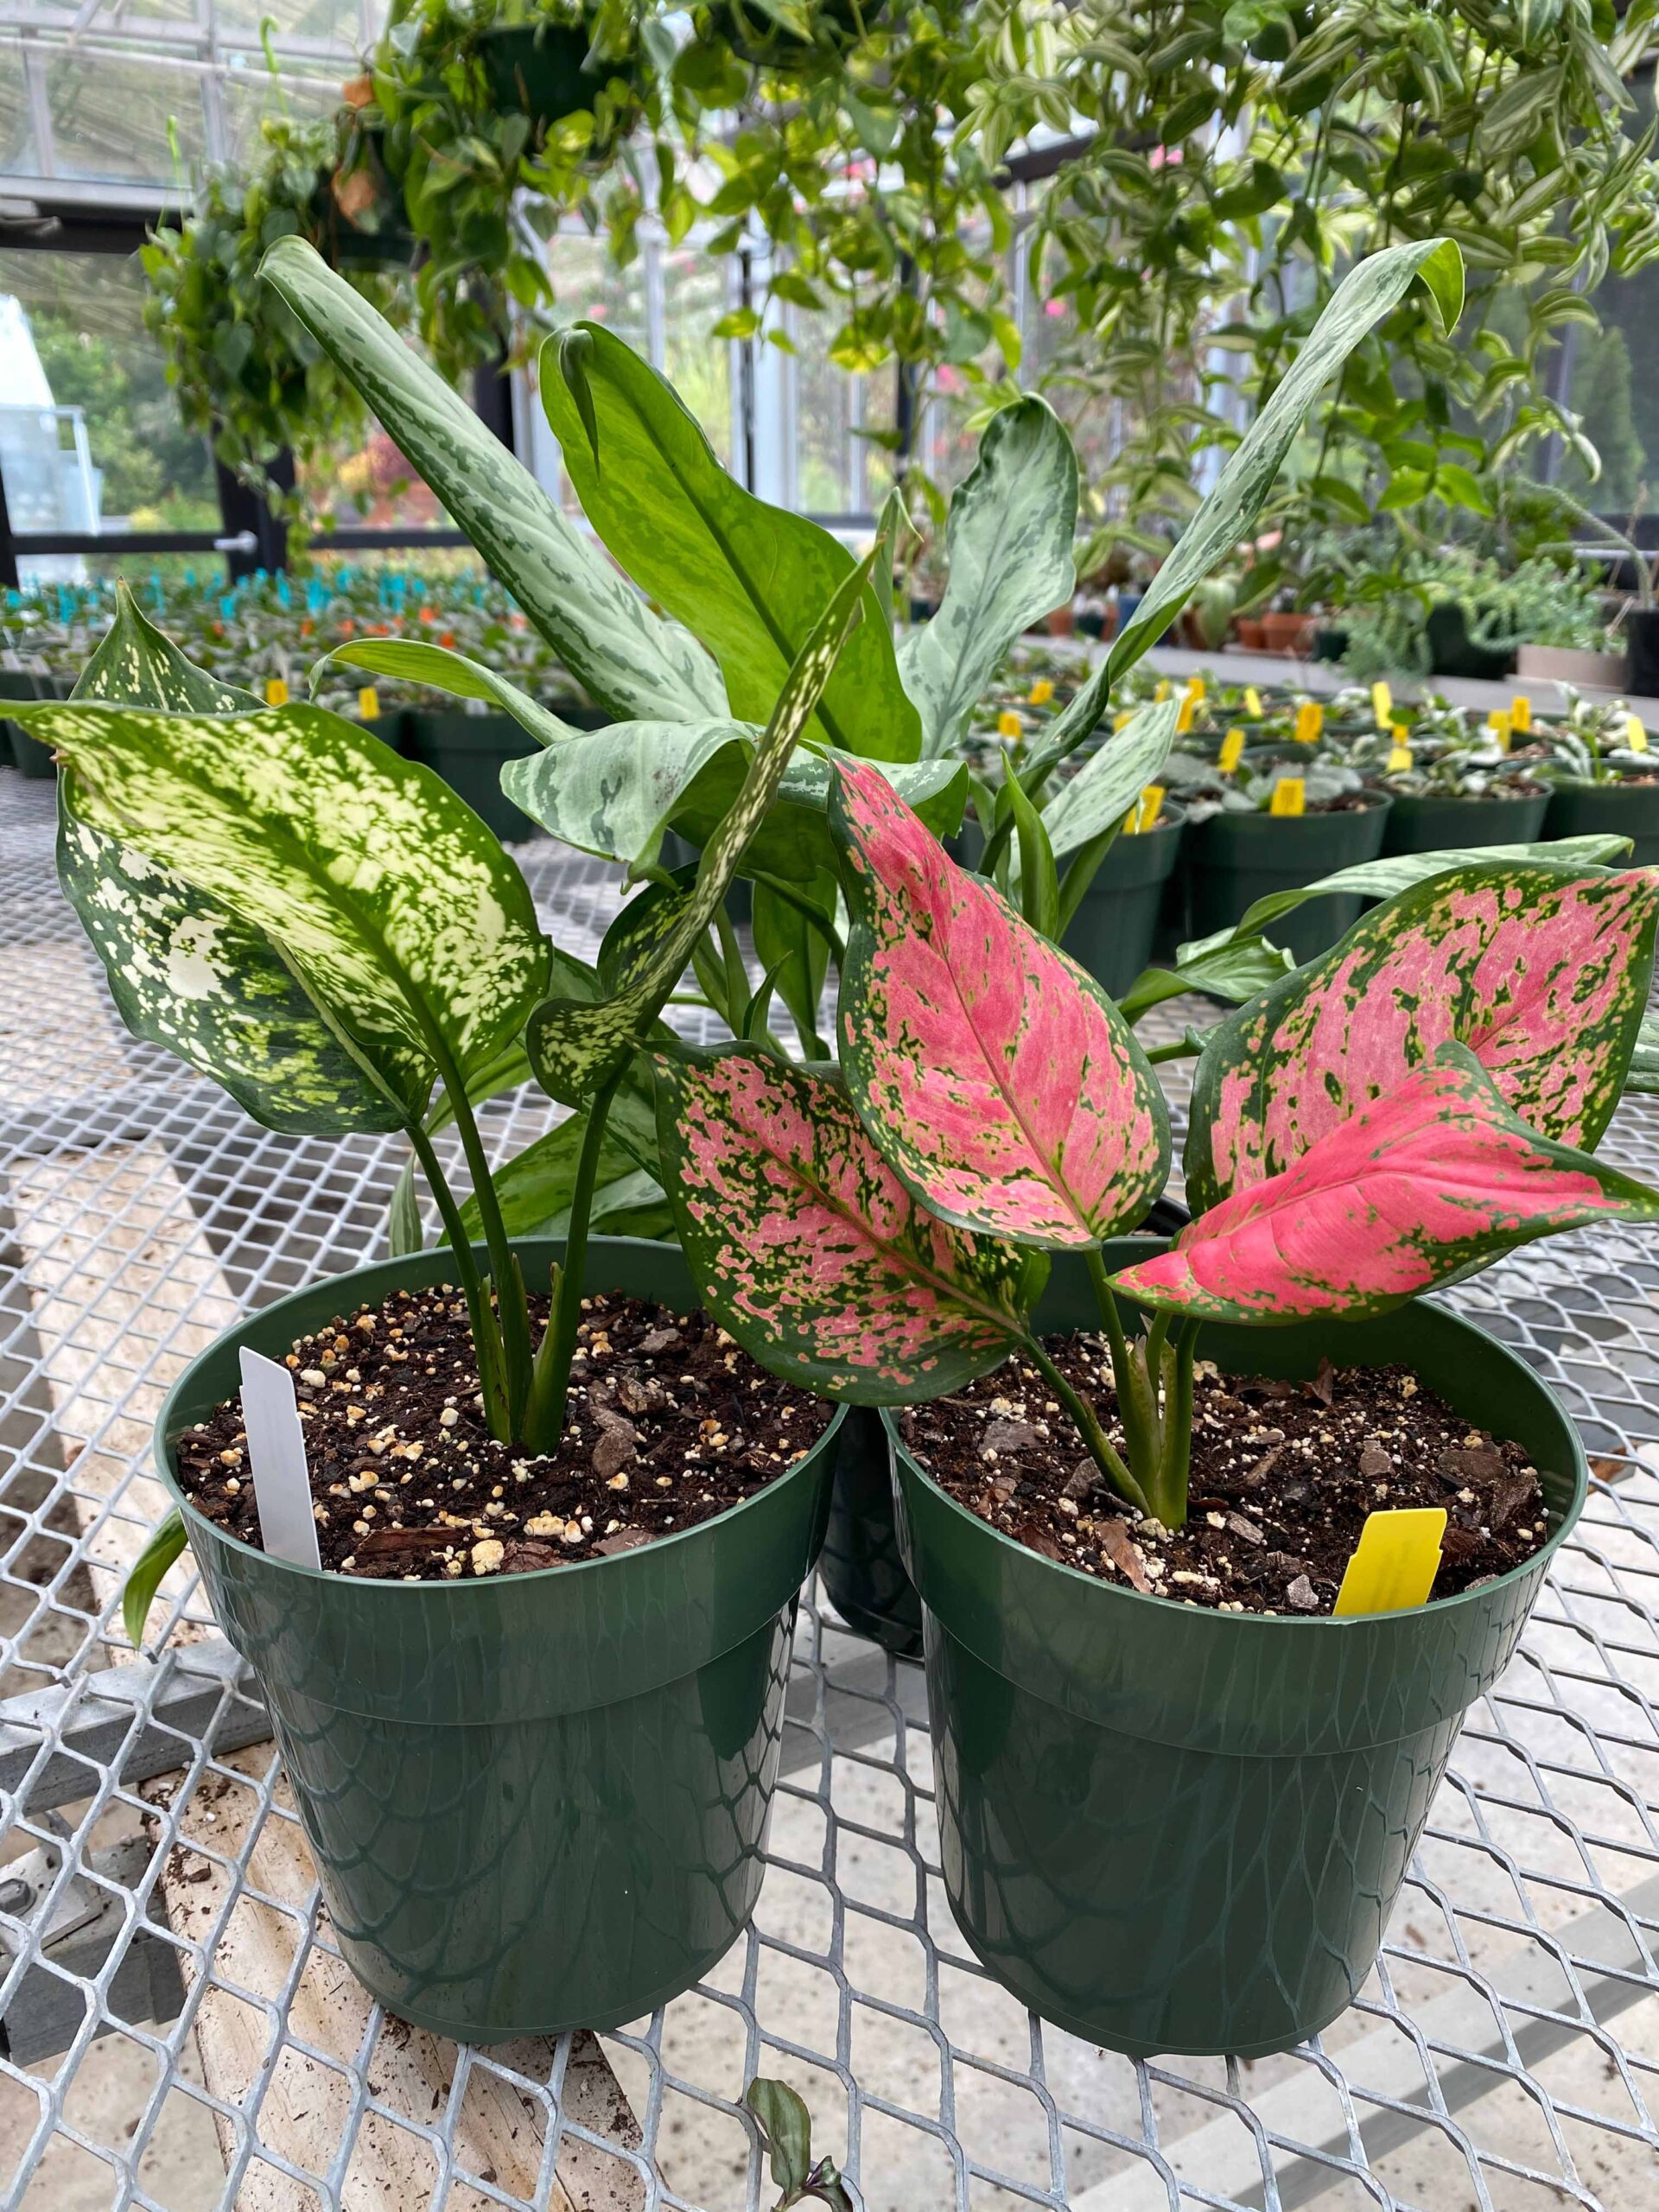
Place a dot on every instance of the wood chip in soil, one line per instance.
(1284, 1475)
(669, 1423)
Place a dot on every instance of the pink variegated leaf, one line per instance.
(1543, 972)
(808, 1247)
(998, 1080)
(1433, 1180)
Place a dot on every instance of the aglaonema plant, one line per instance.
(1392, 1117)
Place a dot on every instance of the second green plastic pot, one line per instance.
(1170, 1829)
(537, 1801)
(1598, 809)
(469, 751)
(1232, 860)
(1113, 930)
(1424, 823)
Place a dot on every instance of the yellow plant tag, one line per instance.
(1231, 753)
(1195, 690)
(368, 704)
(1145, 816)
(1120, 720)
(1395, 1562)
(1310, 721)
(1635, 734)
(275, 691)
(1520, 712)
(1382, 703)
(1161, 693)
(1184, 719)
(1399, 757)
(1499, 724)
(1252, 700)
(1289, 797)
(1007, 724)
(1041, 692)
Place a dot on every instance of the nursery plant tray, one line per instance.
(161, 1901)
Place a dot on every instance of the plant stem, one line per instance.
(509, 1290)
(1132, 1409)
(551, 1381)
(487, 1335)
(1174, 1472)
(1088, 1428)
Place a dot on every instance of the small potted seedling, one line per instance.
(1604, 775)
(1185, 1736)
(510, 1533)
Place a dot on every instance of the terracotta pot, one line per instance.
(1252, 635)
(1062, 622)
(1288, 633)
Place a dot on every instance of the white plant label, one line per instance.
(282, 1483)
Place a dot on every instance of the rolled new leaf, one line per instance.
(1007, 550)
(999, 1081)
(623, 655)
(1436, 1177)
(810, 1250)
(576, 1047)
(410, 930)
(747, 578)
(1544, 973)
(184, 970)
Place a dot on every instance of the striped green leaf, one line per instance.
(1007, 548)
(1110, 781)
(747, 578)
(576, 1047)
(809, 1250)
(184, 970)
(417, 662)
(1541, 971)
(407, 926)
(623, 654)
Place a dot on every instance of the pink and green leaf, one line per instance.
(807, 1247)
(1543, 972)
(1435, 1179)
(1000, 1082)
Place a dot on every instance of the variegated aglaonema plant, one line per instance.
(1426, 1097)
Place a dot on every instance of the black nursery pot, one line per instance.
(1642, 643)
(1600, 810)
(1235, 859)
(1452, 652)
(536, 70)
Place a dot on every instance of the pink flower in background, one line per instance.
(1053, 307)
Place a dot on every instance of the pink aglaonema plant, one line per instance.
(1395, 1116)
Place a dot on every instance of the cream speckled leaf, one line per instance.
(627, 657)
(1008, 559)
(576, 1047)
(183, 971)
(746, 578)
(408, 925)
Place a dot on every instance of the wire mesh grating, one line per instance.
(182, 2032)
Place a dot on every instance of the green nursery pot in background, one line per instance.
(537, 1801)
(1113, 931)
(1233, 860)
(1170, 1829)
(1435, 823)
(1594, 810)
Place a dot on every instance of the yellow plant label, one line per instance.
(1252, 700)
(1399, 758)
(1184, 719)
(1152, 803)
(1499, 724)
(1007, 724)
(1120, 720)
(1161, 693)
(1635, 734)
(1381, 704)
(368, 704)
(1310, 721)
(1231, 753)
(1289, 797)
(1520, 712)
(1394, 1563)
(1195, 690)
(1041, 692)
(275, 691)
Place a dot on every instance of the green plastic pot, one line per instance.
(1169, 1829)
(1233, 860)
(1432, 824)
(1622, 810)
(469, 751)
(537, 1801)
(1113, 930)
(22, 752)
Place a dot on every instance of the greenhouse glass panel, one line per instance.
(699, 366)
(112, 119)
